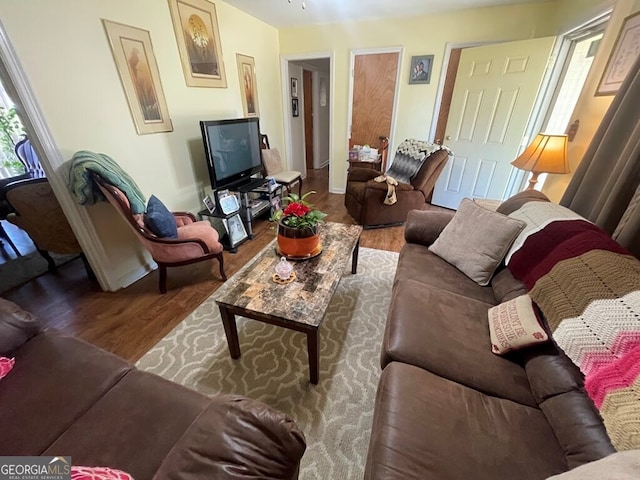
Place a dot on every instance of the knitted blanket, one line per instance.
(409, 157)
(86, 192)
(588, 288)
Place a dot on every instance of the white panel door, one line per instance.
(493, 98)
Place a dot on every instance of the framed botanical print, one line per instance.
(140, 77)
(248, 85)
(196, 27)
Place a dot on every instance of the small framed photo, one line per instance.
(229, 204)
(421, 66)
(295, 109)
(209, 204)
(236, 230)
(294, 87)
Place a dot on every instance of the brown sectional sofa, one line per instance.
(449, 409)
(67, 397)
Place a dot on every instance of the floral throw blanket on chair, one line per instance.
(588, 288)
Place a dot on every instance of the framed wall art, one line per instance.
(295, 108)
(196, 27)
(138, 71)
(624, 54)
(420, 69)
(294, 87)
(248, 85)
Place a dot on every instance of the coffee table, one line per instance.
(300, 305)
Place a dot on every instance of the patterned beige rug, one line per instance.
(336, 414)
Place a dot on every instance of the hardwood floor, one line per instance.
(129, 322)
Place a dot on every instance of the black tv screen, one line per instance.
(232, 150)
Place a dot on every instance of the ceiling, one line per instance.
(281, 13)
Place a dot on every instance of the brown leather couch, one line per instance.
(449, 409)
(66, 397)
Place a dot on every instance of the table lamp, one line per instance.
(546, 154)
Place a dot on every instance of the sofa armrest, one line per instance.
(359, 174)
(236, 438)
(16, 327)
(424, 226)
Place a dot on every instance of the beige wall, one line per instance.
(417, 35)
(64, 51)
(590, 108)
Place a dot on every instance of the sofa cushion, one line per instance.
(140, 407)
(447, 334)
(201, 230)
(514, 325)
(426, 427)
(476, 240)
(54, 382)
(418, 263)
(16, 326)
(272, 161)
(159, 219)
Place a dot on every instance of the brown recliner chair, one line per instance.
(416, 176)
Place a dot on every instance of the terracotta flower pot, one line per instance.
(298, 242)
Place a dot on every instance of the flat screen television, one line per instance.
(232, 150)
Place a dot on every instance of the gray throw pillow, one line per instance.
(476, 240)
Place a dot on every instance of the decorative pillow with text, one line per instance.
(514, 325)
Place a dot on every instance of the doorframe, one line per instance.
(396, 94)
(53, 162)
(286, 101)
(443, 80)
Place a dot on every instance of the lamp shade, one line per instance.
(546, 154)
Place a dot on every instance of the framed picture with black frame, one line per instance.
(294, 87)
(295, 108)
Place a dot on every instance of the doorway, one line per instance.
(308, 111)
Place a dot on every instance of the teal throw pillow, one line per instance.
(160, 220)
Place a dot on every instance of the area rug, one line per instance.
(27, 267)
(336, 414)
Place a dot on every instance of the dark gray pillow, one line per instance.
(16, 327)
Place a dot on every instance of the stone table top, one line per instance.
(306, 299)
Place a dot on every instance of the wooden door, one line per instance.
(374, 85)
(494, 95)
(307, 91)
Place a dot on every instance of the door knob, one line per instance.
(448, 137)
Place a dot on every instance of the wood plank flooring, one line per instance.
(129, 322)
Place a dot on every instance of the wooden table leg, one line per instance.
(354, 258)
(313, 338)
(231, 331)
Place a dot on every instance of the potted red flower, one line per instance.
(298, 227)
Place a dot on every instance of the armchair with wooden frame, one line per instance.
(197, 240)
(365, 198)
(36, 210)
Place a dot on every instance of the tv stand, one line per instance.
(249, 208)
